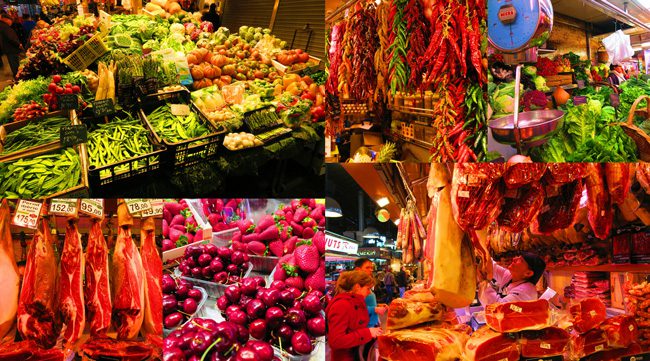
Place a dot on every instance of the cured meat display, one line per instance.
(615, 354)
(518, 316)
(128, 280)
(422, 344)
(618, 176)
(543, 343)
(588, 314)
(520, 174)
(152, 264)
(637, 303)
(37, 318)
(97, 290)
(620, 331)
(410, 234)
(71, 304)
(588, 285)
(488, 345)
(561, 173)
(477, 194)
(588, 343)
(9, 282)
(109, 348)
(28, 351)
(599, 201)
(560, 208)
(519, 210)
(415, 308)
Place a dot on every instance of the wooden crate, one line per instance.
(558, 80)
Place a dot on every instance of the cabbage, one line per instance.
(530, 70)
(540, 84)
(504, 104)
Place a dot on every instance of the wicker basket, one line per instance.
(87, 53)
(640, 137)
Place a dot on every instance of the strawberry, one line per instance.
(308, 222)
(253, 237)
(307, 256)
(318, 213)
(277, 248)
(264, 223)
(270, 233)
(319, 241)
(244, 225)
(316, 280)
(309, 232)
(285, 233)
(297, 229)
(290, 245)
(288, 263)
(236, 237)
(300, 214)
(238, 246)
(296, 282)
(280, 274)
(257, 248)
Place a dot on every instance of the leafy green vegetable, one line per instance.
(21, 93)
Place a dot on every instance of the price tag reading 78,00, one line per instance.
(27, 214)
(137, 205)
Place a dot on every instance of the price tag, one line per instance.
(581, 84)
(516, 308)
(599, 348)
(155, 210)
(27, 214)
(93, 207)
(614, 100)
(69, 101)
(73, 134)
(579, 99)
(137, 205)
(103, 107)
(180, 109)
(545, 345)
(64, 207)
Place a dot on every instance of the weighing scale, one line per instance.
(514, 26)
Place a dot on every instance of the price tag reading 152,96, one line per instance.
(137, 205)
(64, 207)
(93, 207)
(155, 210)
(27, 214)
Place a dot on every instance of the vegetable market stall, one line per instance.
(585, 220)
(410, 73)
(166, 95)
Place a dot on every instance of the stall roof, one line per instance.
(599, 19)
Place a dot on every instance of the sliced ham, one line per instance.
(588, 314)
(110, 349)
(550, 341)
(599, 202)
(588, 343)
(429, 344)
(152, 264)
(518, 316)
(621, 331)
(488, 345)
(413, 309)
(72, 305)
(9, 282)
(97, 291)
(28, 351)
(37, 319)
(618, 176)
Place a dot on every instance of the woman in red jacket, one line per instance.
(347, 316)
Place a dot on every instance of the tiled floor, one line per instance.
(5, 73)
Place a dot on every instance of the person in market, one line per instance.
(402, 281)
(10, 43)
(389, 283)
(212, 16)
(347, 317)
(515, 283)
(374, 311)
(616, 75)
(28, 26)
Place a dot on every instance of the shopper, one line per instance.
(28, 26)
(374, 311)
(347, 318)
(400, 277)
(389, 283)
(213, 17)
(515, 283)
(10, 43)
(616, 75)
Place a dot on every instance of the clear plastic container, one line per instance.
(200, 311)
(214, 290)
(314, 355)
(263, 264)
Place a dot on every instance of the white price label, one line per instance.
(545, 345)
(463, 194)
(27, 214)
(93, 207)
(155, 209)
(600, 348)
(64, 207)
(631, 327)
(137, 205)
(516, 308)
(592, 313)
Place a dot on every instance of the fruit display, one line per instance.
(214, 264)
(180, 301)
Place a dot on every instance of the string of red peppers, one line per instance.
(381, 62)
(364, 43)
(335, 55)
(417, 28)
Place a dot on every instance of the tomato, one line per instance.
(56, 78)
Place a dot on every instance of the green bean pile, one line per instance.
(175, 128)
(34, 134)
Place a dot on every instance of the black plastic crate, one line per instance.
(189, 152)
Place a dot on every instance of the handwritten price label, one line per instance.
(93, 207)
(64, 207)
(27, 214)
(156, 208)
(138, 205)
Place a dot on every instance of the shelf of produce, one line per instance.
(641, 268)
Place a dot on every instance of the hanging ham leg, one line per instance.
(599, 202)
(36, 317)
(71, 285)
(127, 287)
(153, 271)
(618, 181)
(97, 291)
(9, 282)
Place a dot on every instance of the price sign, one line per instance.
(581, 84)
(73, 135)
(69, 101)
(137, 205)
(155, 210)
(93, 207)
(27, 214)
(103, 107)
(64, 207)
(614, 100)
(579, 99)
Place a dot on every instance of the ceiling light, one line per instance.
(370, 232)
(383, 202)
(382, 214)
(645, 3)
(332, 208)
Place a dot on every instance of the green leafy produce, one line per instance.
(34, 134)
(23, 92)
(319, 77)
(40, 176)
(176, 128)
(630, 91)
(265, 118)
(540, 83)
(502, 99)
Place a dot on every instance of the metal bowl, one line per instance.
(535, 127)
